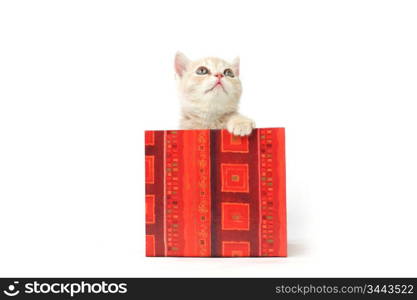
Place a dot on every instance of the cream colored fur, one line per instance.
(205, 104)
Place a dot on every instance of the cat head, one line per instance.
(208, 84)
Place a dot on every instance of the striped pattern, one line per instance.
(209, 193)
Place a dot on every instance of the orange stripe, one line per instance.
(196, 192)
(258, 142)
(280, 191)
(189, 182)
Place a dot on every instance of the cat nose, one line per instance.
(219, 75)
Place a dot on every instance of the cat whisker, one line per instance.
(224, 90)
(209, 90)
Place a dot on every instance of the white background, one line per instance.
(81, 80)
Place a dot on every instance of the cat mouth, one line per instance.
(215, 87)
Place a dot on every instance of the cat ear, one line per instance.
(181, 63)
(236, 66)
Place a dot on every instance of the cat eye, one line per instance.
(229, 73)
(202, 71)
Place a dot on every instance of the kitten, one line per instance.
(210, 90)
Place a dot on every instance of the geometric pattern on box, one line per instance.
(150, 245)
(150, 169)
(233, 249)
(209, 193)
(233, 143)
(235, 178)
(150, 209)
(235, 216)
(149, 138)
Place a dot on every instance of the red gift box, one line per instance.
(210, 193)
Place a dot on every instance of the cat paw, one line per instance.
(239, 125)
